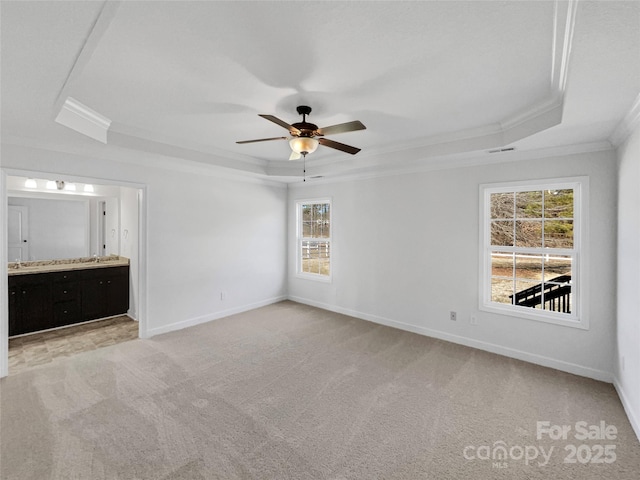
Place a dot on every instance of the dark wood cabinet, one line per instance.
(30, 306)
(105, 293)
(48, 300)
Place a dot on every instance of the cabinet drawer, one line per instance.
(64, 292)
(104, 272)
(20, 281)
(62, 277)
(65, 313)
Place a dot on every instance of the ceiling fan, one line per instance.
(303, 135)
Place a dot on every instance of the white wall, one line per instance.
(57, 228)
(211, 238)
(129, 242)
(627, 369)
(205, 234)
(405, 253)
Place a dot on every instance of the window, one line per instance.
(532, 245)
(314, 239)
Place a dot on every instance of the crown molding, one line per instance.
(98, 29)
(83, 119)
(13, 146)
(627, 125)
(144, 140)
(564, 20)
(450, 162)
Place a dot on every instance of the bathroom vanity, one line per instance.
(46, 295)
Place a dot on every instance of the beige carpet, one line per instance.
(293, 392)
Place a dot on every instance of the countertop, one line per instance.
(46, 266)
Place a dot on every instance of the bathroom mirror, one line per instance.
(48, 229)
(55, 219)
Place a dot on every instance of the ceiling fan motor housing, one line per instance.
(306, 129)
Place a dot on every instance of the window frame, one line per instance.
(578, 318)
(300, 239)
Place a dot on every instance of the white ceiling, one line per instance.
(428, 79)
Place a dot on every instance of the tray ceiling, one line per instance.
(187, 79)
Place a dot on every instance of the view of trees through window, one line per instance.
(532, 248)
(315, 244)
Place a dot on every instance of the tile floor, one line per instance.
(39, 348)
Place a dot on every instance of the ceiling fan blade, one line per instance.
(282, 123)
(338, 146)
(295, 156)
(263, 140)
(342, 128)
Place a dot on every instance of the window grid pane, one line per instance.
(529, 204)
(502, 232)
(502, 205)
(528, 233)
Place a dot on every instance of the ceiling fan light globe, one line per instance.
(303, 145)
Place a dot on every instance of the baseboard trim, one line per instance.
(468, 342)
(626, 404)
(192, 322)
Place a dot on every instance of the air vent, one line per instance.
(500, 150)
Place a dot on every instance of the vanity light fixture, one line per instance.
(51, 185)
(31, 183)
(88, 188)
(70, 187)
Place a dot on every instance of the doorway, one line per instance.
(102, 228)
(131, 217)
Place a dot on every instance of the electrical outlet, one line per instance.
(473, 320)
(453, 316)
(223, 295)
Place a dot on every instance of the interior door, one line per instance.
(102, 229)
(18, 233)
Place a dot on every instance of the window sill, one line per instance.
(527, 313)
(315, 277)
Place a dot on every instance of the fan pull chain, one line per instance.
(304, 167)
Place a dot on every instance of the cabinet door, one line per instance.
(13, 310)
(94, 298)
(118, 293)
(34, 301)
